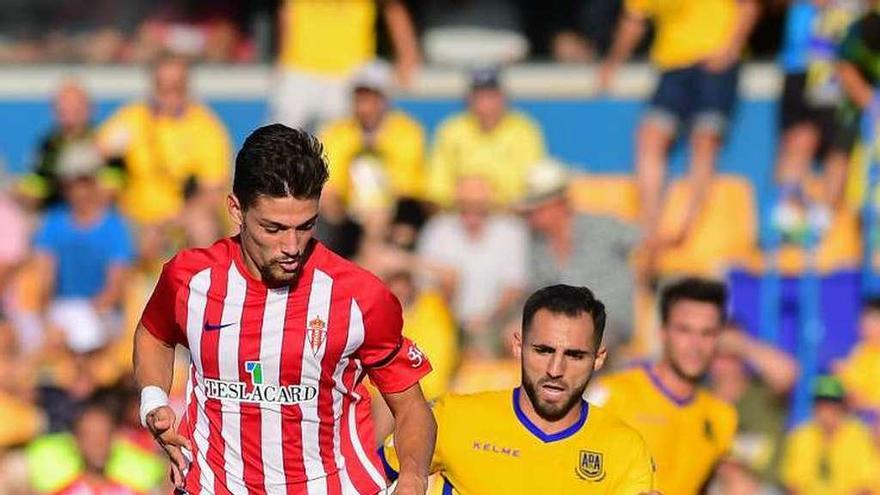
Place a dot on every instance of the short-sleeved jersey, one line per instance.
(487, 444)
(686, 436)
(687, 31)
(328, 38)
(275, 400)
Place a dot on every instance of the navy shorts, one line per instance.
(692, 97)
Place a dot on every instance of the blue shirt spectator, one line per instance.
(796, 38)
(83, 254)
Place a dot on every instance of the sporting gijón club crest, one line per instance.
(317, 333)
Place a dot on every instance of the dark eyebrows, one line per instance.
(577, 353)
(308, 223)
(276, 225)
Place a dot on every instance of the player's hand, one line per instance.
(160, 422)
(411, 485)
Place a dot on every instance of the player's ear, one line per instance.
(233, 205)
(517, 344)
(600, 358)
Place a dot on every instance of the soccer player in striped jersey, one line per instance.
(281, 333)
(541, 437)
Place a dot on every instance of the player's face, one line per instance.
(690, 337)
(558, 358)
(275, 233)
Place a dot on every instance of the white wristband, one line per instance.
(152, 398)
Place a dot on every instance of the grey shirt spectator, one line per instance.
(599, 259)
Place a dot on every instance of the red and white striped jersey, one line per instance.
(275, 402)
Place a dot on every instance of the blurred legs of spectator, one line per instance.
(307, 101)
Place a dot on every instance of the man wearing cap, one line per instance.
(376, 155)
(570, 247)
(833, 452)
(488, 139)
(83, 248)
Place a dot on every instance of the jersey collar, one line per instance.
(546, 437)
(655, 380)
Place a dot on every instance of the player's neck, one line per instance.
(673, 382)
(546, 426)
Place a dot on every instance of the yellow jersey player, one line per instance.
(541, 437)
(688, 430)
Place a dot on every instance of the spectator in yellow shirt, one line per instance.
(323, 43)
(696, 47)
(172, 146)
(377, 154)
(833, 453)
(489, 140)
(860, 370)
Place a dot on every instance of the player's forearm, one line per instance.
(775, 367)
(414, 436)
(153, 360)
(629, 32)
(403, 35)
(747, 17)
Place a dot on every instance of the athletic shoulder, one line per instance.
(353, 278)
(188, 262)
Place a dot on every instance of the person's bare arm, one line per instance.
(114, 287)
(403, 37)
(857, 89)
(776, 368)
(415, 433)
(154, 366)
(630, 31)
(44, 267)
(747, 16)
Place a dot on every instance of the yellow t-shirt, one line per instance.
(399, 148)
(859, 373)
(502, 155)
(329, 37)
(685, 437)
(428, 323)
(486, 445)
(686, 31)
(161, 153)
(22, 421)
(848, 463)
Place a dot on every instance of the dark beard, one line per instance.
(551, 414)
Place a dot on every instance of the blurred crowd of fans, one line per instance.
(461, 224)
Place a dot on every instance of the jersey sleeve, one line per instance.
(393, 362)
(160, 314)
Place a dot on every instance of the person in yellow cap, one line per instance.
(833, 452)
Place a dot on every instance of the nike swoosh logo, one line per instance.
(210, 326)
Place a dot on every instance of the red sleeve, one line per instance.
(160, 315)
(392, 361)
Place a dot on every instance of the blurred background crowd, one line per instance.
(463, 216)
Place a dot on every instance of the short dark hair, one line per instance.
(567, 300)
(871, 304)
(693, 289)
(278, 161)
